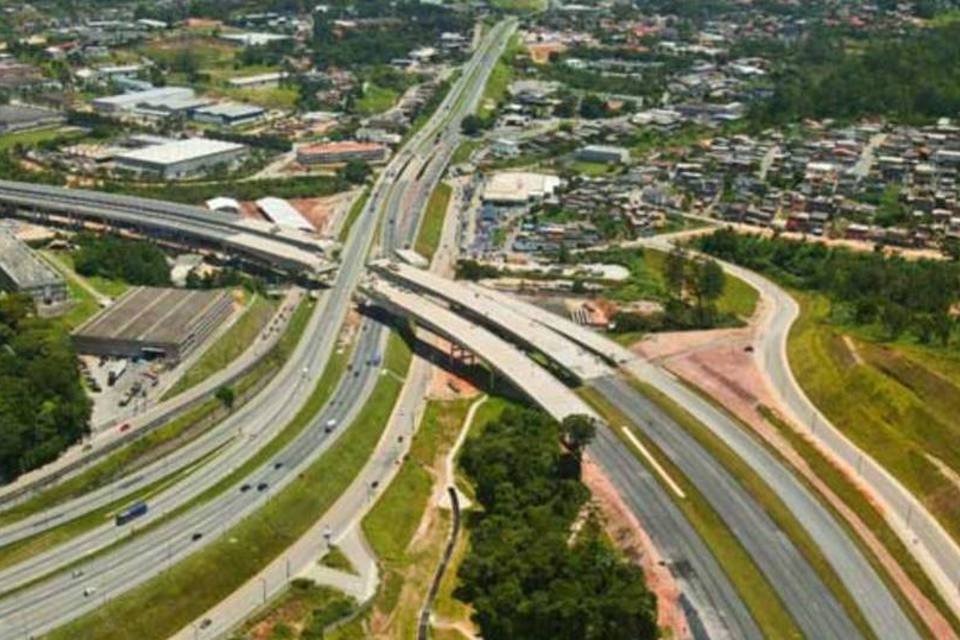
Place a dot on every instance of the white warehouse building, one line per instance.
(181, 158)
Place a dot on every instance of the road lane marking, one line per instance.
(653, 462)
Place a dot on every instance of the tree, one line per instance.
(674, 268)
(355, 172)
(592, 107)
(227, 396)
(471, 125)
(577, 431)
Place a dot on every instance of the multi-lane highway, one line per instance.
(55, 600)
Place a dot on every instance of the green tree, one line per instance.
(227, 396)
(355, 172)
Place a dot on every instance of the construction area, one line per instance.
(153, 323)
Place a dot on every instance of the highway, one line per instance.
(55, 600)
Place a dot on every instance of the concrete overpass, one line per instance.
(494, 312)
(506, 359)
(254, 240)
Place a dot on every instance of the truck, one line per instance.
(132, 512)
(115, 371)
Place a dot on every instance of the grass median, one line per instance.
(431, 226)
(753, 587)
(353, 215)
(766, 498)
(168, 602)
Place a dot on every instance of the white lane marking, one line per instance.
(653, 462)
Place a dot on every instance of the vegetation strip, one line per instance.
(162, 605)
(431, 225)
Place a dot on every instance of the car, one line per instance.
(89, 591)
(277, 465)
(124, 427)
(196, 536)
(244, 488)
(76, 573)
(262, 486)
(206, 622)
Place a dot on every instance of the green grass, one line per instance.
(336, 559)
(431, 226)
(304, 605)
(500, 78)
(766, 498)
(84, 306)
(464, 151)
(376, 99)
(593, 169)
(281, 98)
(228, 347)
(167, 602)
(898, 403)
(758, 596)
(738, 298)
(35, 137)
(355, 210)
(521, 6)
(109, 287)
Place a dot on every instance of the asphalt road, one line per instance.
(809, 601)
(58, 599)
(714, 608)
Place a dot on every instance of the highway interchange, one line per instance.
(54, 601)
(63, 586)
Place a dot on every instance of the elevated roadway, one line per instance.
(257, 241)
(576, 360)
(509, 361)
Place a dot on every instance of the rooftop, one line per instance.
(180, 151)
(22, 265)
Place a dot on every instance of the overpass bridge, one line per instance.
(257, 241)
(506, 359)
(496, 312)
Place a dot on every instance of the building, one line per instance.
(150, 98)
(254, 39)
(283, 214)
(154, 323)
(181, 158)
(224, 204)
(513, 188)
(604, 153)
(229, 114)
(258, 81)
(23, 117)
(23, 271)
(339, 152)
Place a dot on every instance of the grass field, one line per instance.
(229, 346)
(738, 297)
(431, 226)
(500, 77)
(32, 138)
(376, 99)
(745, 576)
(106, 286)
(305, 607)
(464, 151)
(167, 602)
(899, 403)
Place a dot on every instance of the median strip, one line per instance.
(670, 482)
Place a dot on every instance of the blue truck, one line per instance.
(132, 512)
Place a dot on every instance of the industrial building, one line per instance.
(339, 152)
(181, 158)
(149, 99)
(258, 81)
(604, 153)
(283, 214)
(23, 118)
(23, 271)
(519, 187)
(149, 322)
(229, 114)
